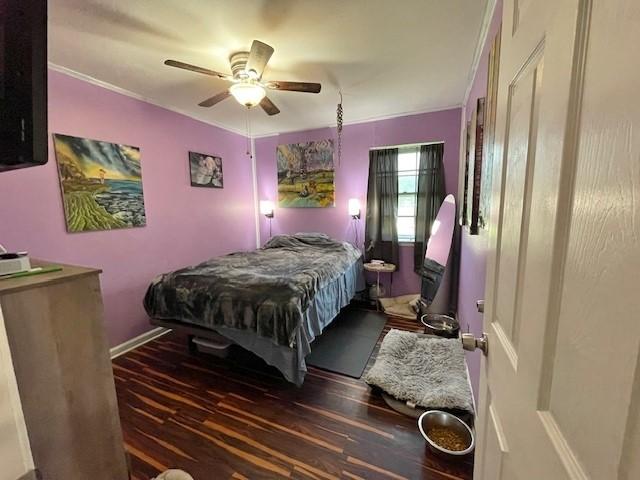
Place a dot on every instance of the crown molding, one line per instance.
(482, 38)
(366, 120)
(128, 93)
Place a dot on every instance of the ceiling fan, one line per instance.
(248, 87)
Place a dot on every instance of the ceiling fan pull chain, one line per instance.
(248, 125)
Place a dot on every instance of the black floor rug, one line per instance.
(346, 345)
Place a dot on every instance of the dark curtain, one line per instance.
(381, 236)
(431, 193)
(455, 271)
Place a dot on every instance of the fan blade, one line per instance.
(210, 102)
(269, 107)
(194, 68)
(258, 57)
(295, 86)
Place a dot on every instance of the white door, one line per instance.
(560, 388)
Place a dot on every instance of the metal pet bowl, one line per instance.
(440, 325)
(437, 418)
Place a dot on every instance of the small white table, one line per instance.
(380, 268)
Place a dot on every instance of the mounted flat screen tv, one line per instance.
(23, 83)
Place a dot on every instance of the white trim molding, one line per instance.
(256, 200)
(137, 341)
(366, 120)
(473, 395)
(128, 93)
(482, 38)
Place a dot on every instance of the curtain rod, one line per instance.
(406, 145)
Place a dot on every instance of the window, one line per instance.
(408, 163)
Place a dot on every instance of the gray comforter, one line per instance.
(265, 290)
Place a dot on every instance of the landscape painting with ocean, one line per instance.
(101, 184)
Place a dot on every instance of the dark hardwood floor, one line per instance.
(218, 420)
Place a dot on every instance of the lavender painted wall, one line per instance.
(352, 174)
(184, 224)
(473, 253)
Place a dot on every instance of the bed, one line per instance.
(272, 301)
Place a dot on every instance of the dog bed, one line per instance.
(405, 306)
(424, 370)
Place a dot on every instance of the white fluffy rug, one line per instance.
(428, 371)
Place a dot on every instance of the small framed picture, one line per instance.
(206, 170)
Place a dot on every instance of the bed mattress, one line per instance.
(272, 301)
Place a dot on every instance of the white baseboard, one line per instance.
(137, 341)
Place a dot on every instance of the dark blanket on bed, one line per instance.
(265, 290)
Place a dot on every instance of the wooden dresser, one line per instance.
(56, 336)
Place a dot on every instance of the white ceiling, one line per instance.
(389, 57)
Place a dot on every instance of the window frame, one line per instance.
(411, 172)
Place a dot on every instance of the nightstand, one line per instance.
(380, 268)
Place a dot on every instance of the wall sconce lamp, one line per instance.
(266, 209)
(354, 208)
(354, 212)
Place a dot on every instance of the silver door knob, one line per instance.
(480, 306)
(470, 342)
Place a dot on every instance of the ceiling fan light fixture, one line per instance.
(248, 94)
(247, 87)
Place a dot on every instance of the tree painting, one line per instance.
(306, 174)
